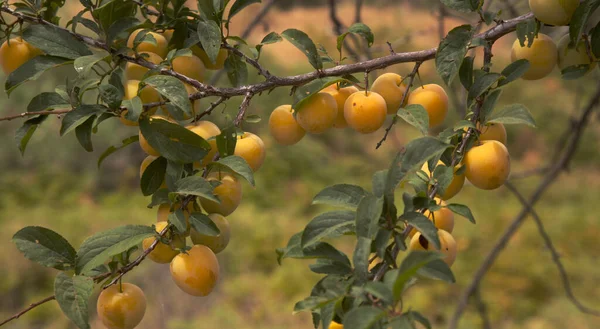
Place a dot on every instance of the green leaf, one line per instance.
(461, 209)
(237, 71)
(380, 290)
(367, 216)
(238, 165)
(55, 41)
(379, 182)
(363, 317)
(328, 266)
(311, 303)
(420, 150)
(120, 27)
(83, 65)
(227, 140)
(514, 71)
(32, 70)
(328, 225)
(443, 176)
(341, 195)
(416, 116)
(437, 270)
(172, 89)
(153, 176)
(575, 72)
(79, 115)
(402, 322)
(112, 149)
(512, 114)
(45, 247)
(47, 101)
(112, 96)
(25, 132)
(303, 93)
(173, 141)
(464, 6)
(465, 73)
(415, 260)
(451, 52)
(364, 31)
(482, 84)
(95, 250)
(72, 294)
(489, 104)
(238, 5)
(160, 197)
(177, 218)
(318, 250)
(423, 225)
(209, 34)
(580, 18)
(196, 185)
(109, 12)
(84, 133)
(305, 45)
(203, 224)
(526, 31)
(173, 173)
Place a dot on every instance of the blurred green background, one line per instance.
(58, 185)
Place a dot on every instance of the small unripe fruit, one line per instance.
(492, 131)
(135, 71)
(392, 89)
(219, 64)
(163, 253)
(487, 165)
(573, 56)
(16, 54)
(283, 126)
(542, 56)
(206, 130)
(196, 272)
(340, 96)
(365, 112)
(121, 309)
(455, 185)
(318, 113)
(435, 101)
(215, 243)
(447, 243)
(229, 193)
(190, 66)
(160, 48)
(553, 12)
(252, 149)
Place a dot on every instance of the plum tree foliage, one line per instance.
(144, 64)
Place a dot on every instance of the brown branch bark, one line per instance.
(490, 35)
(562, 163)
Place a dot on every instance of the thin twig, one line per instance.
(555, 255)
(411, 79)
(243, 107)
(211, 108)
(29, 114)
(553, 173)
(29, 308)
(261, 70)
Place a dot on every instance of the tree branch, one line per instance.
(205, 90)
(29, 114)
(29, 308)
(555, 256)
(553, 173)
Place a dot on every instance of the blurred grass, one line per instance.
(57, 185)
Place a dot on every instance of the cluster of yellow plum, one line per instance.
(544, 55)
(486, 166)
(15, 52)
(363, 111)
(195, 271)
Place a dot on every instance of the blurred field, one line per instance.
(57, 185)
